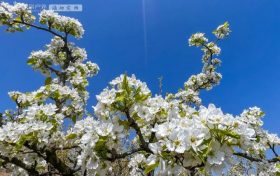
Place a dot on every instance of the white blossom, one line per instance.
(51, 129)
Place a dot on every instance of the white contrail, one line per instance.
(145, 31)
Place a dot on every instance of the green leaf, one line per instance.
(150, 168)
(165, 155)
(101, 148)
(18, 18)
(120, 98)
(196, 113)
(100, 143)
(48, 81)
(31, 61)
(125, 85)
(142, 97)
(226, 24)
(56, 95)
(124, 123)
(39, 95)
(74, 119)
(71, 136)
(228, 133)
(140, 121)
(23, 139)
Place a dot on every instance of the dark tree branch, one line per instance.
(274, 160)
(153, 134)
(116, 156)
(134, 125)
(31, 170)
(251, 158)
(193, 169)
(52, 158)
(248, 157)
(272, 147)
(58, 73)
(39, 27)
(65, 148)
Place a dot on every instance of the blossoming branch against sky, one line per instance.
(151, 39)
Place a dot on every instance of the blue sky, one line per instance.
(115, 40)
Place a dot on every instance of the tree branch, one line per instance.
(251, 158)
(31, 171)
(246, 156)
(135, 126)
(116, 156)
(272, 147)
(58, 73)
(52, 158)
(39, 27)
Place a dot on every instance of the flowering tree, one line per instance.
(157, 135)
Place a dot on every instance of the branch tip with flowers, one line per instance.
(158, 135)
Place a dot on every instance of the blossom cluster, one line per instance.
(209, 77)
(182, 137)
(15, 16)
(61, 23)
(52, 133)
(19, 15)
(222, 31)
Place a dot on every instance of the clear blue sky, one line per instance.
(115, 40)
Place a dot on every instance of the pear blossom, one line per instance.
(197, 39)
(222, 31)
(51, 131)
(61, 23)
